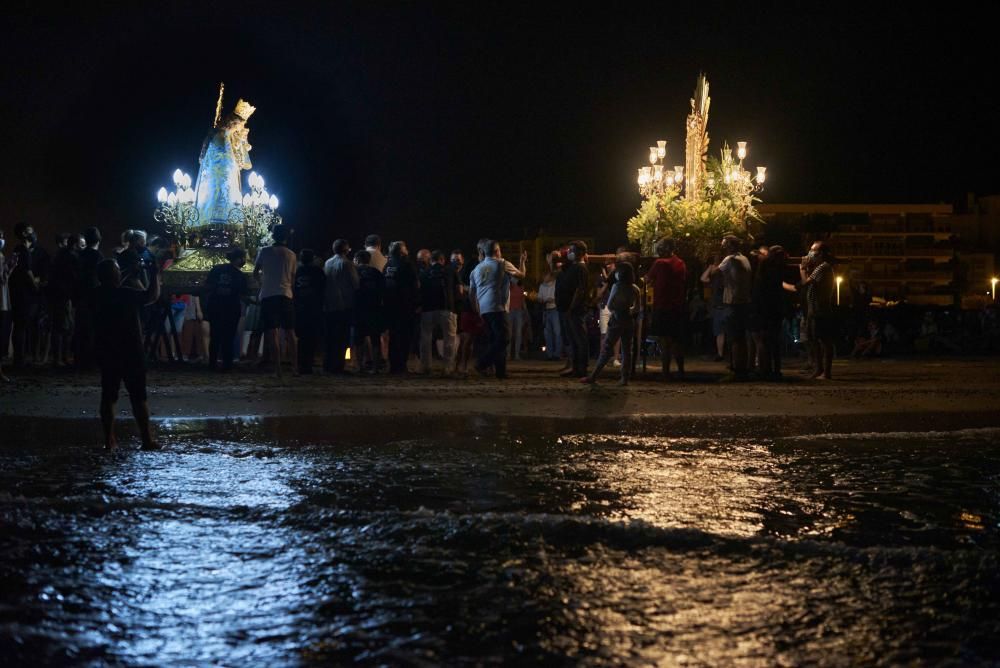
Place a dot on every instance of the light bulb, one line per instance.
(654, 154)
(661, 148)
(161, 195)
(273, 202)
(761, 174)
(187, 180)
(639, 178)
(172, 199)
(658, 173)
(741, 151)
(178, 177)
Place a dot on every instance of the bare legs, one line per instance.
(140, 409)
(272, 342)
(671, 348)
(821, 352)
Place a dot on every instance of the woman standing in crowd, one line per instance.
(623, 302)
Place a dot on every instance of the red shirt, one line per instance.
(516, 298)
(668, 277)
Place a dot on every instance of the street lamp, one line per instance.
(840, 279)
(177, 210)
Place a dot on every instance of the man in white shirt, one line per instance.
(737, 282)
(489, 286)
(373, 244)
(277, 310)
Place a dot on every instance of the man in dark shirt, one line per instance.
(83, 333)
(438, 294)
(26, 291)
(310, 282)
(119, 348)
(572, 287)
(817, 276)
(63, 278)
(224, 291)
(368, 313)
(401, 299)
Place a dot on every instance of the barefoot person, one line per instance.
(119, 347)
(275, 271)
(816, 272)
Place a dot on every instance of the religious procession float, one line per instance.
(216, 216)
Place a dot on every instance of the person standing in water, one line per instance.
(119, 347)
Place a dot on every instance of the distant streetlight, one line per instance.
(840, 279)
(993, 288)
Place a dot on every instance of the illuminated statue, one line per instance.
(225, 153)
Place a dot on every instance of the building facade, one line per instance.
(923, 253)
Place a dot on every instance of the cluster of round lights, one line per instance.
(259, 195)
(182, 195)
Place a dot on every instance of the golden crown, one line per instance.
(244, 109)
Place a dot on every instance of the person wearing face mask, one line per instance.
(5, 317)
(623, 302)
(26, 292)
(816, 272)
(224, 291)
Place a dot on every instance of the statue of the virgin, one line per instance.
(224, 154)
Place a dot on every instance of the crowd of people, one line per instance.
(377, 311)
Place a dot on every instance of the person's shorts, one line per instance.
(113, 374)
(671, 324)
(277, 312)
(720, 319)
(471, 323)
(736, 325)
(821, 327)
(62, 316)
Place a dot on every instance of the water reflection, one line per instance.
(457, 541)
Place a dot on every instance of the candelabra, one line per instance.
(256, 215)
(177, 211)
(656, 179)
(740, 185)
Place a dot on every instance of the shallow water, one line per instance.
(477, 541)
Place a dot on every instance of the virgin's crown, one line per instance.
(244, 109)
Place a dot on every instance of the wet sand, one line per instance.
(881, 395)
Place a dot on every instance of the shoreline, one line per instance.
(887, 393)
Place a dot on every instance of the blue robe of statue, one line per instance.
(218, 190)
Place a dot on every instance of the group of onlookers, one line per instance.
(377, 310)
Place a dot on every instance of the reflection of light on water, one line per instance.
(689, 482)
(208, 559)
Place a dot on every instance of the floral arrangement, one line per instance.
(724, 206)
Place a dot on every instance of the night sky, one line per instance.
(440, 124)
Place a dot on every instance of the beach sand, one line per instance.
(879, 395)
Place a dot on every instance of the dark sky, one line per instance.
(442, 123)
